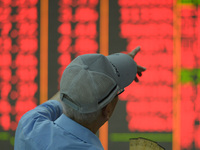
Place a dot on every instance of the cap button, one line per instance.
(85, 67)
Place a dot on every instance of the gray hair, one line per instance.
(85, 118)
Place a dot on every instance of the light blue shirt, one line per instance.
(46, 128)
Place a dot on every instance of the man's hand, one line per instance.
(140, 69)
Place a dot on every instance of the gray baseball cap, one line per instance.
(91, 81)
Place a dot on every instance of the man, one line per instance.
(89, 90)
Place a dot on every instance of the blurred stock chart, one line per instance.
(164, 106)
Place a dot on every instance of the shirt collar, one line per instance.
(77, 130)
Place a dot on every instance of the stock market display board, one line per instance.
(164, 106)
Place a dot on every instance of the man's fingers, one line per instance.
(134, 52)
(140, 68)
(139, 73)
(136, 79)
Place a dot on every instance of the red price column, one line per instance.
(25, 60)
(5, 64)
(78, 31)
(18, 62)
(190, 90)
(150, 25)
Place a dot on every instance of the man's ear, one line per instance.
(109, 108)
(106, 111)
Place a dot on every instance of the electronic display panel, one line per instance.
(18, 64)
(168, 33)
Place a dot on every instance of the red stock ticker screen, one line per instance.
(77, 30)
(18, 64)
(148, 105)
(150, 25)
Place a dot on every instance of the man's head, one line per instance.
(91, 82)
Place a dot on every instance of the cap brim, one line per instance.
(125, 68)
